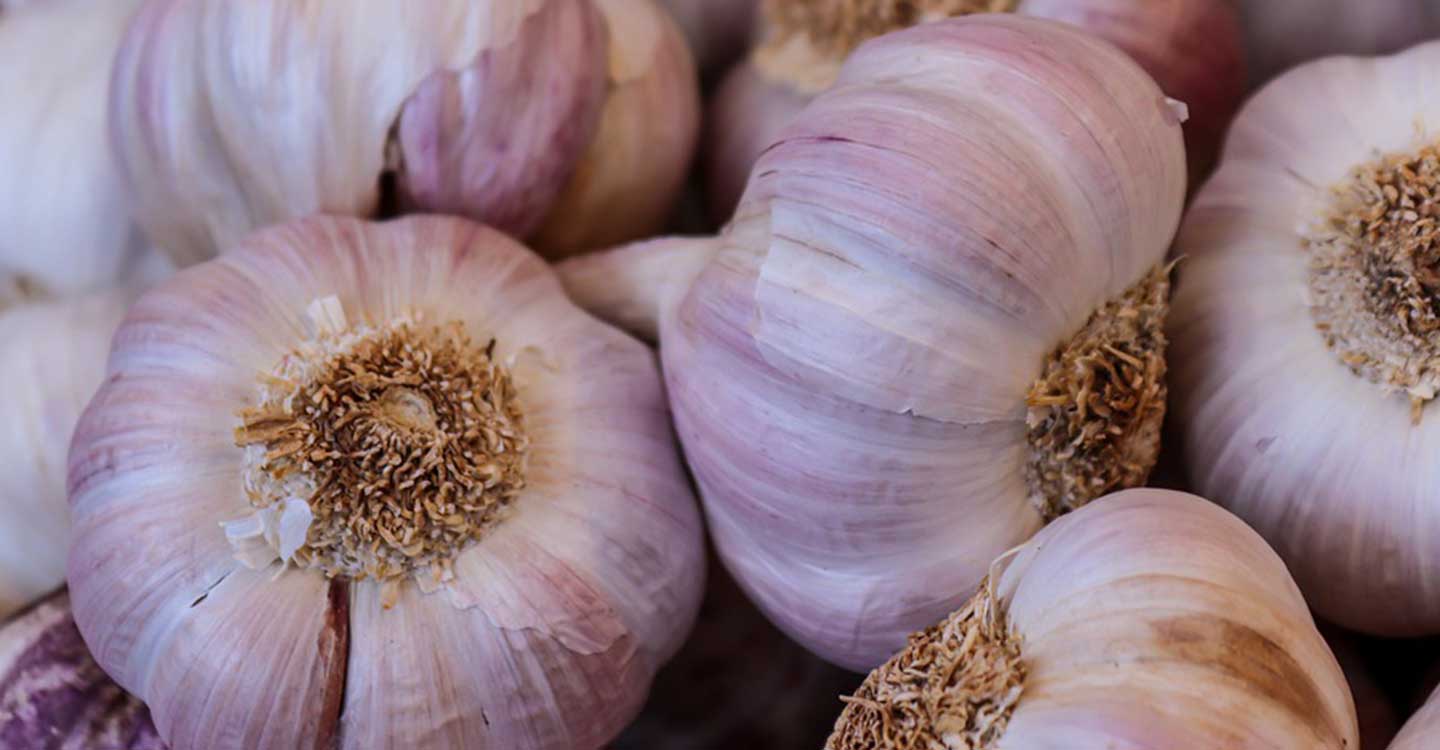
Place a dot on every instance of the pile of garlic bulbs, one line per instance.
(360, 395)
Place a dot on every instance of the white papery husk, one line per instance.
(54, 355)
(1328, 466)
(64, 222)
(849, 363)
(554, 622)
(1154, 619)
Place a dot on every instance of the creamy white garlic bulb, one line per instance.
(934, 324)
(54, 354)
(381, 485)
(1191, 47)
(64, 225)
(1150, 619)
(1305, 345)
(231, 116)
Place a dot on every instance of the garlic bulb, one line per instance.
(380, 485)
(231, 116)
(54, 695)
(933, 325)
(1305, 335)
(718, 30)
(64, 226)
(54, 354)
(1280, 34)
(1191, 47)
(1151, 619)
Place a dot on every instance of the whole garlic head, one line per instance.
(933, 325)
(54, 354)
(231, 116)
(1305, 335)
(1191, 47)
(64, 222)
(381, 485)
(1150, 619)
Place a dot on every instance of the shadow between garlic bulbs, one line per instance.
(1323, 440)
(550, 592)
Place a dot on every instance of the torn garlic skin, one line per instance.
(380, 486)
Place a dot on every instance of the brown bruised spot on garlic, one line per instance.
(1375, 274)
(954, 686)
(1095, 413)
(810, 39)
(379, 452)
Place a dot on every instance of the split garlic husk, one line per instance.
(1305, 333)
(1191, 47)
(1422, 731)
(54, 354)
(1151, 619)
(718, 31)
(381, 485)
(227, 117)
(64, 222)
(934, 324)
(54, 695)
(1280, 34)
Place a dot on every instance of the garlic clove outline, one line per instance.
(595, 570)
(1141, 620)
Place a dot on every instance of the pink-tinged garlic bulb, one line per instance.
(64, 226)
(54, 355)
(1306, 335)
(1151, 619)
(1280, 34)
(1422, 731)
(383, 486)
(718, 31)
(54, 695)
(230, 116)
(1191, 47)
(934, 324)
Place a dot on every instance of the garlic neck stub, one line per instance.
(955, 686)
(1375, 274)
(808, 40)
(403, 444)
(1095, 414)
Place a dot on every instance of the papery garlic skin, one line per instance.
(850, 363)
(625, 185)
(1325, 464)
(54, 354)
(64, 222)
(1280, 34)
(231, 116)
(553, 623)
(1191, 47)
(1155, 619)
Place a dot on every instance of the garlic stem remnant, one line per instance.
(1375, 274)
(809, 39)
(954, 686)
(406, 442)
(1094, 415)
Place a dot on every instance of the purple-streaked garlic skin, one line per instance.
(54, 354)
(64, 226)
(54, 695)
(848, 364)
(1329, 467)
(226, 117)
(718, 31)
(556, 620)
(626, 184)
(1192, 49)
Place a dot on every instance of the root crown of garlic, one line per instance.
(404, 443)
(809, 40)
(1094, 415)
(955, 686)
(1375, 274)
